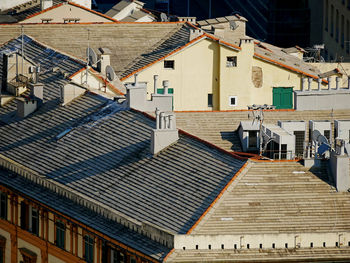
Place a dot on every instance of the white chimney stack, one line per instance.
(319, 81)
(166, 86)
(329, 82)
(309, 83)
(155, 78)
(165, 132)
(45, 4)
(337, 80)
(303, 84)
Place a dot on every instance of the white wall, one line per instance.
(254, 241)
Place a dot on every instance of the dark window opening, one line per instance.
(209, 247)
(253, 139)
(273, 245)
(327, 134)
(260, 246)
(3, 205)
(60, 234)
(170, 64)
(286, 245)
(196, 246)
(311, 244)
(222, 246)
(299, 142)
(24, 216)
(235, 246)
(35, 221)
(210, 100)
(184, 248)
(324, 244)
(89, 249)
(283, 151)
(233, 101)
(231, 62)
(248, 246)
(336, 244)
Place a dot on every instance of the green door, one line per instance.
(283, 98)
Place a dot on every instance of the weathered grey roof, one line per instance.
(129, 43)
(21, 12)
(277, 56)
(275, 198)
(107, 151)
(249, 125)
(118, 7)
(220, 128)
(84, 215)
(135, 16)
(301, 255)
(219, 20)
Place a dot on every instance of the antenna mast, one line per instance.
(88, 58)
(22, 50)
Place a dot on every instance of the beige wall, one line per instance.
(7, 235)
(53, 259)
(324, 67)
(36, 250)
(67, 11)
(196, 75)
(201, 69)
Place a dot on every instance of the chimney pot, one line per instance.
(155, 78)
(319, 81)
(303, 84)
(135, 81)
(337, 80)
(165, 86)
(309, 83)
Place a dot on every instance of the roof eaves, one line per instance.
(190, 43)
(258, 56)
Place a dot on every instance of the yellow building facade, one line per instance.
(209, 74)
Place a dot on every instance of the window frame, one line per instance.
(3, 205)
(229, 101)
(210, 100)
(88, 246)
(166, 66)
(231, 63)
(60, 233)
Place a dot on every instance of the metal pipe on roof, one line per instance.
(155, 78)
(302, 84)
(319, 81)
(337, 80)
(135, 81)
(329, 82)
(309, 83)
(165, 86)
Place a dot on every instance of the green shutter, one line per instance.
(283, 98)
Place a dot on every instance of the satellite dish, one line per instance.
(233, 25)
(163, 17)
(91, 54)
(322, 140)
(315, 135)
(110, 73)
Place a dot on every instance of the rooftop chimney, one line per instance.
(45, 4)
(165, 132)
(194, 33)
(26, 106)
(104, 60)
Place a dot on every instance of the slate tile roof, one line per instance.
(105, 156)
(127, 42)
(84, 215)
(21, 12)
